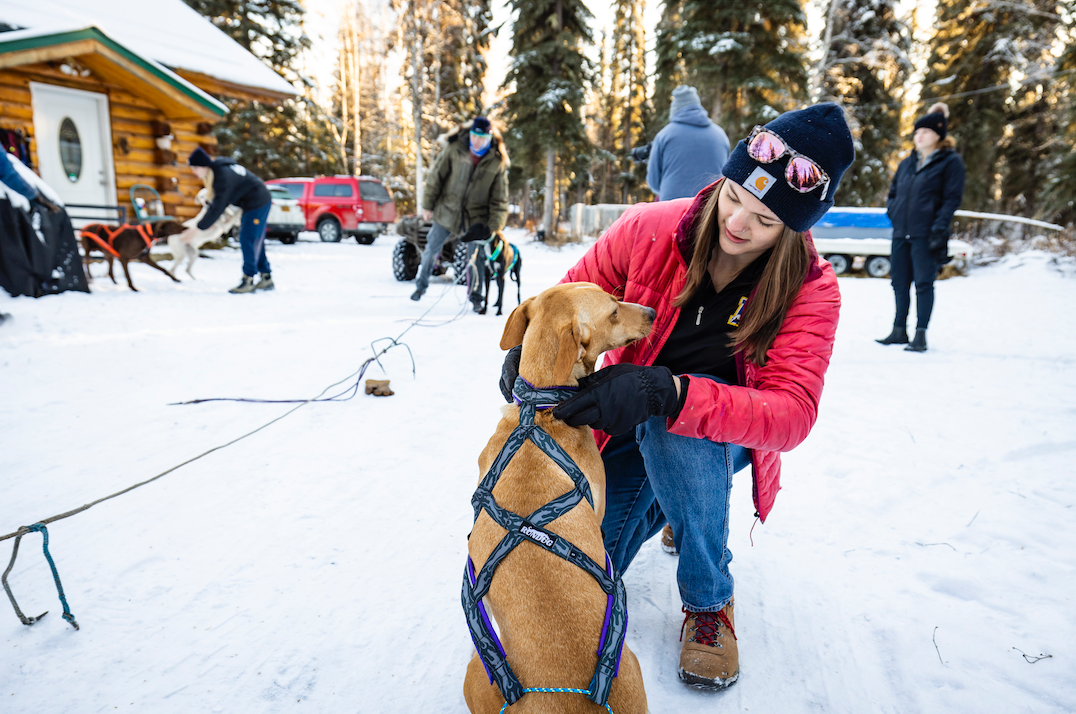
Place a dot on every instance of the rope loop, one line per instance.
(37, 528)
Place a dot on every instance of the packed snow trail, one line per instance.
(318, 562)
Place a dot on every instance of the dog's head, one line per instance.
(163, 229)
(564, 329)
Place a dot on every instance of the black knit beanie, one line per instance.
(936, 122)
(199, 157)
(820, 133)
(481, 125)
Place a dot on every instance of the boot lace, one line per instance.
(706, 624)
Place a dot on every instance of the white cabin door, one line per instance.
(74, 146)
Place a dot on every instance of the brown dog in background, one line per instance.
(550, 612)
(126, 243)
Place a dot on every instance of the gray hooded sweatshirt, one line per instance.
(687, 155)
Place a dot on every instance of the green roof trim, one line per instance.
(92, 33)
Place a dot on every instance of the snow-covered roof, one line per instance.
(167, 31)
(17, 41)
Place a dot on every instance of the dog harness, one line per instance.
(532, 530)
(492, 258)
(141, 229)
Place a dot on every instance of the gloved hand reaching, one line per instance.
(509, 372)
(45, 203)
(619, 398)
(478, 231)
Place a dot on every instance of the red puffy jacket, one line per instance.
(643, 258)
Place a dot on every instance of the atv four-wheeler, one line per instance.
(407, 254)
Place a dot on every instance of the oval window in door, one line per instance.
(70, 150)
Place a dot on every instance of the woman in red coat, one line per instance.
(732, 372)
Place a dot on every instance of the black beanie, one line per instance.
(199, 157)
(934, 121)
(820, 133)
(481, 125)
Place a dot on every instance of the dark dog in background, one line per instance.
(495, 258)
(126, 243)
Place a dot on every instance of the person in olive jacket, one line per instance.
(466, 186)
(926, 191)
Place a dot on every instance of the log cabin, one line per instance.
(99, 96)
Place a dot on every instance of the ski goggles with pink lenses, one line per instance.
(802, 173)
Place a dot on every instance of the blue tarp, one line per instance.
(840, 218)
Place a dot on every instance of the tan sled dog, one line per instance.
(550, 612)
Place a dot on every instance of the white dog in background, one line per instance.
(182, 251)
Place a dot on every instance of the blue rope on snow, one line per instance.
(40, 528)
(556, 690)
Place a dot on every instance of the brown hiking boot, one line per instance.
(667, 542)
(710, 658)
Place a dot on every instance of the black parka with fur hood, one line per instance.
(461, 193)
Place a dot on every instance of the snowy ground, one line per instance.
(925, 530)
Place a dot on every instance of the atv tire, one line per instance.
(405, 260)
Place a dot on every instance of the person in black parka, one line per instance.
(926, 191)
(230, 184)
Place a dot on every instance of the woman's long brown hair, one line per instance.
(777, 288)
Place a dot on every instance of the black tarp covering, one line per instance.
(38, 252)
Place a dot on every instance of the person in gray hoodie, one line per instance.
(688, 153)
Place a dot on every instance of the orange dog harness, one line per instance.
(141, 229)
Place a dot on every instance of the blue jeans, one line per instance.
(252, 240)
(910, 259)
(435, 240)
(652, 477)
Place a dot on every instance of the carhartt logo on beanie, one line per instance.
(821, 134)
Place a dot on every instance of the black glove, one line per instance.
(478, 231)
(619, 398)
(938, 245)
(44, 202)
(509, 371)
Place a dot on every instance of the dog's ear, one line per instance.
(516, 325)
(568, 352)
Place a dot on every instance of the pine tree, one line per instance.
(746, 58)
(628, 91)
(273, 140)
(1032, 112)
(865, 70)
(970, 52)
(546, 81)
(668, 65)
(1058, 196)
(463, 41)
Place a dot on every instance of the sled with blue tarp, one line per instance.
(845, 234)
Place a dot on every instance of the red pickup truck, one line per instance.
(339, 205)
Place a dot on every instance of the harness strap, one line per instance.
(107, 247)
(518, 529)
(141, 229)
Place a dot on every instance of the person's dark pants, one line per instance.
(909, 260)
(654, 477)
(252, 240)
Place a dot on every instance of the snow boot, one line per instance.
(247, 286)
(919, 342)
(668, 544)
(899, 336)
(417, 295)
(710, 657)
(266, 283)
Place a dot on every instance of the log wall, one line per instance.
(134, 148)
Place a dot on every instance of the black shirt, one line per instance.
(700, 342)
